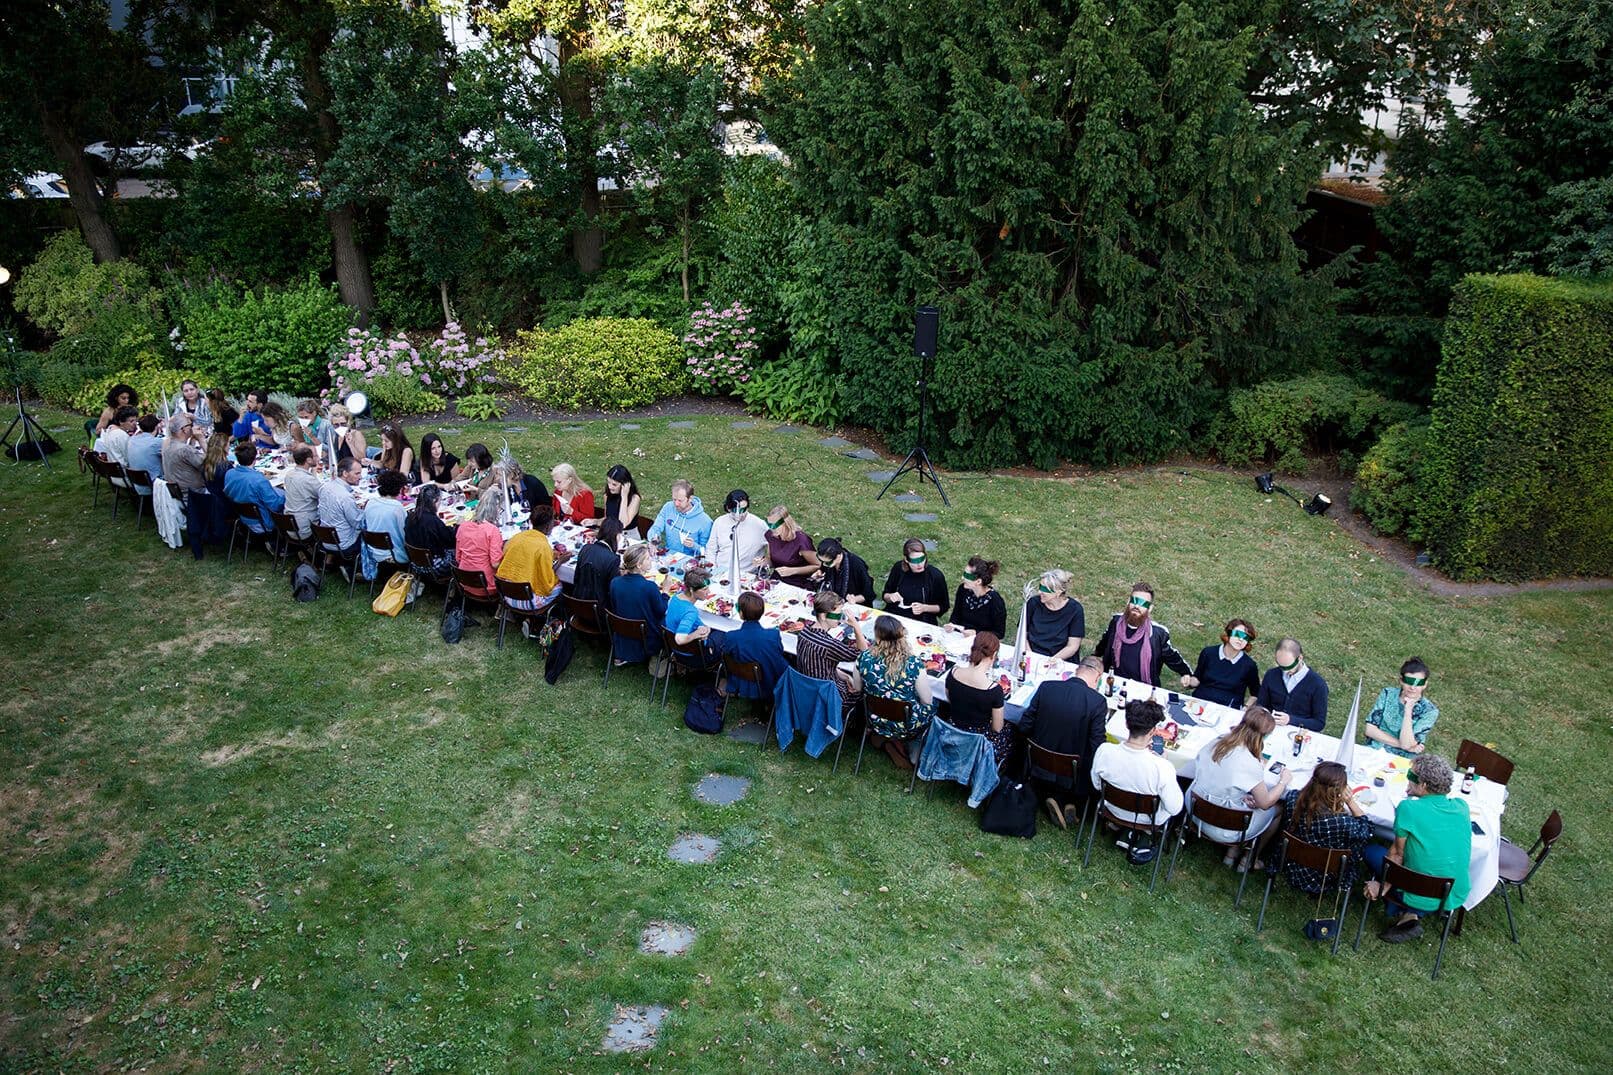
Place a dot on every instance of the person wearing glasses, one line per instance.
(1136, 647)
(1402, 717)
(1226, 673)
(1055, 622)
(915, 586)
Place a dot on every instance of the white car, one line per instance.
(143, 155)
(40, 185)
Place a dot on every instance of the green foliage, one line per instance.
(61, 378)
(64, 291)
(798, 389)
(269, 339)
(1518, 483)
(605, 363)
(481, 407)
(1582, 225)
(122, 335)
(151, 385)
(398, 394)
(640, 279)
(1388, 480)
(754, 223)
(1278, 422)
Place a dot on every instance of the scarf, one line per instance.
(1145, 635)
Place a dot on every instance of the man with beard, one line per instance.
(1136, 647)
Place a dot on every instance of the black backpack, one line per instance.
(562, 646)
(305, 583)
(1011, 810)
(704, 713)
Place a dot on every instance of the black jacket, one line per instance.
(1163, 653)
(1068, 717)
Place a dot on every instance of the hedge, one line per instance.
(1278, 422)
(1518, 483)
(1388, 485)
(273, 339)
(600, 362)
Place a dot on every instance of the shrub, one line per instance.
(721, 348)
(273, 339)
(1517, 483)
(151, 385)
(1387, 481)
(61, 378)
(481, 407)
(394, 395)
(608, 363)
(797, 389)
(64, 291)
(450, 364)
(1279, 421)
(122, 336)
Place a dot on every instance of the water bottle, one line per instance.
(1468, 779)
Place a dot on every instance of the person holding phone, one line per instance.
(1230, 772)
(682, 524)
(915, 586)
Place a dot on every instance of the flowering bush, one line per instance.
(457, 365)
(451, 364)
(720, 347)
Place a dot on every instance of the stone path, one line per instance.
(743, 425)
(920, 516)
(629, 425)
(929, 544)
(666, 939)
(866, 454)
(747, 731)
(908, 498)
(786, 428)
(633, 1030)
(834, 442)
(680, 425)
(694, 848)
(881, 476)
(719, 789)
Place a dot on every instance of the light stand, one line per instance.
(918, 460)
(32, 433)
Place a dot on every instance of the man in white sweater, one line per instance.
(737, 529)
(1133, 766)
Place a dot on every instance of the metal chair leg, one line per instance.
(1260, 922)
(1506, 899)
(860, 745)
(1361, 926)
(610, 656)
(1439, 956)
(1159, 853)
(1344, 916)
(1092, 837)
(1181, 838)
(1237, 901)
(502, 622)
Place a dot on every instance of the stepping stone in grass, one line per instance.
(929, 544)
(866, 454)
(881, 475)
(680, 425)
(908, 498)
(786, 428)
(629, 425)
(515, 429)
(743, 425)
(919, 516)
(454, 432)
(694, 848)
(571, 429)
(720, 790)
(834, 442)
(747, 732)
(634, 1030)
(666, 939)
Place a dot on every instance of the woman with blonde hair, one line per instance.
(1231, 773)
(890, 669)
(350, 443)
(275, 430)
(1055, 622)
(479, 544)
(789, 548)
(572, 498)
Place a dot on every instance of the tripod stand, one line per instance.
(32, 433)
(918, 460)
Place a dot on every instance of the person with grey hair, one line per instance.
(182, 454)
(1434, 836)
(1055, 622)
(1294, 692)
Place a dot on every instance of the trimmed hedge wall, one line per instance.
(1519, 477)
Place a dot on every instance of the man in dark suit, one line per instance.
(753, 642)
(1294, 692)
(1068, 717)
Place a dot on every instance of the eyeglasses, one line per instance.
(1414, 681)
(1142, 602)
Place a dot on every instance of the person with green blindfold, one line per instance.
(1225, 671)
(1294, 691)
(1402, 716)
(915, 587)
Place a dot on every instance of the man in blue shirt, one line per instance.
(251, 490)
(145, 451)
(682, 525)
(683, 618)
(242, 429)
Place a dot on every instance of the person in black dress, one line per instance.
(424, 529)
(1055, 622)
(915, 586)
(598, 563)
(1226, 673)
(976, 606)
(843, 572)
(437, 463)
(975, 698)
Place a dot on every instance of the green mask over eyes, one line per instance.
(1414, 681)
(970, 576)
(1239, 634)
(1290, 666)
(916, 561)
(1142, 603)
(836, 615)
(775, 525)
(1044, 589)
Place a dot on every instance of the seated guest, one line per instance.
(522, 489)
(310, 428)
(1230, 772)
(976, 606)
(338, 509)
(1055, 622)
(1324, 813)
(843, 572)
(622, 500)
(1433, 835)
(1136, 647)
(789, 548)
(572, 500)
(424, 529)
(302, 488)
(114, 439)
(916, 586)
(529, 558)
(192, 404)
(182, 454)
(436, 463)
(479, 544)
(224, 415)
(350, 443)
(598, 563)
(738, 539)
(890, 669)
(252, 492)
(118, 397)
(975, 697)
(1293, 690)
(830, 642)
(248, 425)
(275, 430)
(682, 524)
(385, 514)
(1401, 718)
(1226, 673)
(216, 464)
(477, 467)
(763, 646)
(1067, 717)
(1133, 766)
(145, 450)
(396, 451)
(635, 596)
(683, 618)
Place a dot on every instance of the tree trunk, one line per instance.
(352, 263)
(447, 307)
(83, 193)
(576, 91)
(685, 265)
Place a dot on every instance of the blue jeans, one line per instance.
(1375, 855)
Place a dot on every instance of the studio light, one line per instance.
(1264, 483)
(1318, 505)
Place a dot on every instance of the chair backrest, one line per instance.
(643, 523)
(1486, 762)
(377, 540)
(474, 583)
(1327, 861)
(326, 535)
(1417, 884)
(749, 671)
(1138, 803)
(1549, 832)
(633, 630)
(891, 709)
(510, 590)
(584, 614)
(285, 524)
(1051, 761)
(417, 556)
(141, 478)
(669, 640)
(1221, 817)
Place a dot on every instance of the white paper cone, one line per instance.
(1346, 754)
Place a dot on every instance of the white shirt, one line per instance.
(1293, 677)
(1139, 771)
(749, 533)
(1226, 783)
(114, 444)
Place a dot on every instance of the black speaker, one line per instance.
(926, 322)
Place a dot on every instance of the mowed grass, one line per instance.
(240, 833)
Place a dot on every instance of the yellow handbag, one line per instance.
(394, 595)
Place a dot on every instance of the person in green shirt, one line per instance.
(1402, 717)
(1434, 836)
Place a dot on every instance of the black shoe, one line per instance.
(1401, 932)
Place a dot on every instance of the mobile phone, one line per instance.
(1277, 767)
(1157, 745)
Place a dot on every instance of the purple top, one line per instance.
(788, 553)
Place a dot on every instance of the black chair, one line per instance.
(1057, 765)
(330, 545)
(239, 528)
(749, 672)
(1484, 762)
(138, 479)
(115, 481)
(691, 656)
(511, 594)
(620, 627)
(286, 539)
(889, 709)
(473, 590)
(381, 544)
(1109, 800)
(1331, 862)
(1518, 865)
(1409, 882)
(1201, 813)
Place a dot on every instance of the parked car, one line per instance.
(143, 155)
(40, 185)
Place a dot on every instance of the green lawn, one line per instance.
(240, 833)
